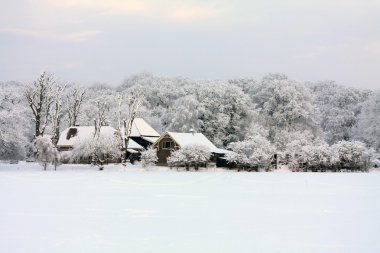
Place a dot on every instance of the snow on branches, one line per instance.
(352, 154)
(189, 155)
(285, 105)
(100, 148)
(46, 152)
(368, 127)
(254, 152)
(281, 109)
(39, 97)
(13, 123)
(149, 157)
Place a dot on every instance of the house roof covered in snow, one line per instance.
(134, 145)
(141, 128)
(183, 139)
(73, 134)
(150, 139)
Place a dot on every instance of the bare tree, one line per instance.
(74, 102)
(39, 98)
(119, 111)
(102, 107)
(135, 99)
(57, 112)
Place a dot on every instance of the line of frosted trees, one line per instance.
(258, 154)
(236, 114)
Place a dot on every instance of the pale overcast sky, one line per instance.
(107, 40)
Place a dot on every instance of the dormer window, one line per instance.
(71, 133)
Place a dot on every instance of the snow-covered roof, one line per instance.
(221, 151)
(134, 145)
(82, 132)
(150, 139)
(67, 138)
(141, 128)
(132, 151)
(183, 139)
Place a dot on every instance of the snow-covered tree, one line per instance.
(39, 98)
(98, 98)
(285, 105)
(102, 108)
(56, 115)
(14, 128)
(100, 148)
(352, 154)
(189, 155)
(248, 85)
(338, 107)
(135, 99)
(303, 149)
(224, 113)
(216, 108)
(254, 152)
(184, 114)
(74, 101)
(316, 156)
(46, 152)
(176, 159)
(368, 126)
(149, 157)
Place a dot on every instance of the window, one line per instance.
(167, 144)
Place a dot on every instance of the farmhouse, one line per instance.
(170, 141)
(74, 134)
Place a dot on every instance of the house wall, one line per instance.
(162, 153)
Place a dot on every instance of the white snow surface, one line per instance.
(129, 209)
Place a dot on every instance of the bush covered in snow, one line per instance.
(253, 153)
(45, 151)
(149, 157)
(318, 155)
(300, 148)
(352, 155)
(100, 149)
(190, 155)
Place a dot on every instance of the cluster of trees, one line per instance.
(349, 155)
(254, 118)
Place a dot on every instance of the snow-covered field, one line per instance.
(80, 209)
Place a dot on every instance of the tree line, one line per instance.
(276, 112)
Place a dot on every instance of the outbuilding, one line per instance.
(171, 141)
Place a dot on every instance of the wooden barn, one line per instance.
(170, 141)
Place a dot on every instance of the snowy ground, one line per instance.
(80, 209)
